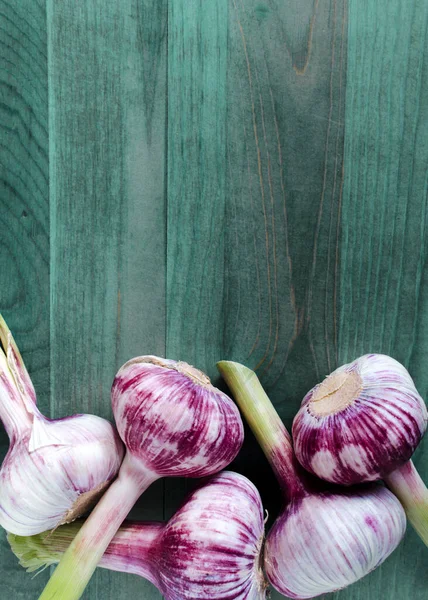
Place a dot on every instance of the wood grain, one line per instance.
(24, 217)
(107, 80)
(286, 82)
(197, 59)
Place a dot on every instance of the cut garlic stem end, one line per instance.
(335, 393)
(190, 371)
(406, 483)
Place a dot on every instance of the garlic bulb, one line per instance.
(173, 423)
(325, 542)
(324, 539)
(173, 420)
(210, 549)
(54, 470)
(363, 423)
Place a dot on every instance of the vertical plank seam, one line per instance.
(320, 209)
(166, 139)
(51, 204)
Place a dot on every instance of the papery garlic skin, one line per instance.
(325, 542)
(57, 481)
(54, 470)
(171, 418)
(210, 549)
(360, 424)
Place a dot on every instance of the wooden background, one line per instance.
(214, 179)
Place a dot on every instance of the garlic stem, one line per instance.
(406, 483)
(132, 550)
(266, 425)
(73, 573)
(17, 396)
(17, 365)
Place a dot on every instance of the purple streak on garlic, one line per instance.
(173, 423)
(362, 422)
(210, 549)
(54, 470)
(324, 539)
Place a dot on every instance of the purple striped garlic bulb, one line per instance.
(363, 423)
(173, 423)
(54, 470)
(210, 549)
(324, 539)
(173, 420)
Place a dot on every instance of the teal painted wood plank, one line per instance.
(286, 78)
(24, 217)
(384, 283)
(107, 81)
(197, 55)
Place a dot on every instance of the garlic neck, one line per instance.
(17, 395)
(335, 393)
(14, 413)
(133, 549)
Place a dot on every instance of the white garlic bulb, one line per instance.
(324, 542)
